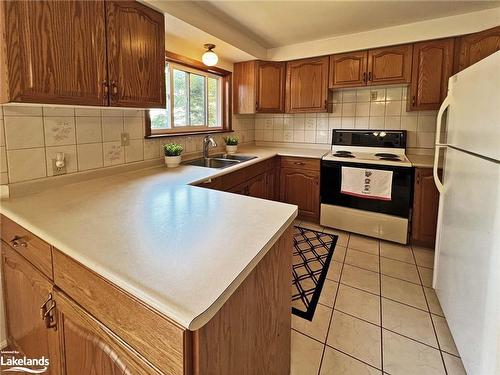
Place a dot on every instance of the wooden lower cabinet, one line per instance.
(91, 348)
(257, 186)
(299, 185)
(25, 291)
(425, 208)
(95, 328)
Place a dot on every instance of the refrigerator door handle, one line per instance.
(439, 145)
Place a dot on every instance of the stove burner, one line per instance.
(343, 152)
(386, 155)
(390, 158)
(343, 155)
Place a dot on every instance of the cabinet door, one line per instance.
(25, 290)
(432, 66)
(91, 348)
(241, 189)
(477, 46)
(257, 186)
(301, 187)
(389, 65)
(244, 87)
(348, 69)
(56, 52)
(307, 85)
(270, 87)
(425, 208)
(136, 55)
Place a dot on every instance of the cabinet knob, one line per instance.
(114, 88)
(369, 76)
(413, 100)
(18, 241)
(364, 77)
(299, 163)
(105, 87)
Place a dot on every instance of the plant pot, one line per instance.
(231, 149)
(173, 161)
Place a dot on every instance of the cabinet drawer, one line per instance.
(31, 247)
(300, 163)
(158, 339)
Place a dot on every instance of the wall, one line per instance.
(353, 109)
(408, 33)
(30, 137)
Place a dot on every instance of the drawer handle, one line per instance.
(19, 242)
(299, 163)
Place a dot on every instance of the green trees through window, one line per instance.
(193, 100)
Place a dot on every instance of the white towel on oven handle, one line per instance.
(367, 183)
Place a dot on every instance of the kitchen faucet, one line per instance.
(208, 142)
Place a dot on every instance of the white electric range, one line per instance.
(364, 152)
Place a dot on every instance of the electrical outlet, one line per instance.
(373, 95)
(125, 139)
(56, 171)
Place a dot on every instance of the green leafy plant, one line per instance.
(231, 141)
(172, 149)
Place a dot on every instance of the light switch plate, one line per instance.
(56, 171)
(125, 139)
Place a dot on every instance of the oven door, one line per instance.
(401, 194)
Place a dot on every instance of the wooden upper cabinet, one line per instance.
(307, 85)
(270, 87)
(25, 291)
(390, 65)
(348, 69)
(259, 87)
(474, 47)
(432, 67)
(55, 52)
(136, 55)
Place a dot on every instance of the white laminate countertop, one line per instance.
(181, 249)
(421, 161)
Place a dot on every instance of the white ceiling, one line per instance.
(279, 23)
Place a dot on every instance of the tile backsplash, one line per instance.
(364, 108)
(30, 137)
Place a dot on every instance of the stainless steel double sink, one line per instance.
(219, 161)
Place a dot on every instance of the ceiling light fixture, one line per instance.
(209, 58)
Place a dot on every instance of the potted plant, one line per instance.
(231, 144)
(173, 153)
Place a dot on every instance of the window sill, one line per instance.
(186, 133)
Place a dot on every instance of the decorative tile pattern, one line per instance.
(87, 131)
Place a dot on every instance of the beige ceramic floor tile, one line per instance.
(362, 259)
(361, 278)
(400, 270)
(313, 226)
(334, 271)
(403, 356)
(355, 337)
(328, 293)
(408, 321)
(343, 236)
(339, 254)
(424, 257)
(433, 302)
(454, 365)
(318, 327)
(395, 251)
(426, 276)
(306, 355)
(403, 291)
(358, 303)
(444, 335)
(337, 363)
(362, 243)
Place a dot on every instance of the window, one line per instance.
(197, 101)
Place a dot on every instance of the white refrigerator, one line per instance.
(467, 258)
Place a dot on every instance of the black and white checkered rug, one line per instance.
(312, 254)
